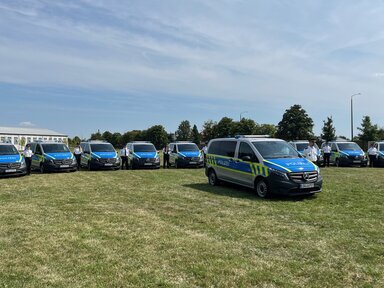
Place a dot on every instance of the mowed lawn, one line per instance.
(169, 228)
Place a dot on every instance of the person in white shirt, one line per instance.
(326, 153)
(311, 152)
(124, 157)
(166, 152)
(205, 149)
(372, 154)
(28, 158)
(77, 152)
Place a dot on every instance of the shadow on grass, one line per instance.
(241, 192)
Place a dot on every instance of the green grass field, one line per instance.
(168, 228)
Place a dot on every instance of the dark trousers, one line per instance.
(124, 161)
(165, 160)
(326, 159)
(372, 159)
(28, 162)
(78, 160)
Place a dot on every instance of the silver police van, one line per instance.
(265, 164)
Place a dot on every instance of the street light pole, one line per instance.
(242, 114)
(352, 114)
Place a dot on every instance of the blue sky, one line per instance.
(78, 66)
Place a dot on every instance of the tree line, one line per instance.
(296, 124)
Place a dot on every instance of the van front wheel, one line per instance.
(212, 178)
(262, 188)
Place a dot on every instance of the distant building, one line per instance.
(19, 136)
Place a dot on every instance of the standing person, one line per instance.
(77, 152)
(311, 152)
(124, 157)
(372, 154)
(28, 158)
(327, 154)
(205, 149)
(166, 153)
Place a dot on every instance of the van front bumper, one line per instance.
(9, 169)
(60, 165)
(352, 161)
(281, 186)
(105, 163)
(149, 163)
(190, 162)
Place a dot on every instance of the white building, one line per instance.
(19, 136)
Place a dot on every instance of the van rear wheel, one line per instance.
(262, 188)
(42, 169)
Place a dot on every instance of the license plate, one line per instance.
(64, 166)
(108, 164)
(307, 185)
(192, 163)
(10, 170)
(356, 161)
(148, 164)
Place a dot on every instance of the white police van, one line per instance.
(11, 162)
(185, 154)
(347, 153)
(52, 156)
(143, 154)
(301, 145)
(99, 155)
(265, 164)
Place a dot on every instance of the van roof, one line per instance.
(256, 139)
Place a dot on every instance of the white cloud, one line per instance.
(27, 124)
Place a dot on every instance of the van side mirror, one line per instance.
(246, 158)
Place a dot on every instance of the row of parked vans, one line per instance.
(54, 156)
(343, 153)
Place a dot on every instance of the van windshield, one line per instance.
(144, 148)
(301, 146)
(106, 147)
(55, 148)
(188, 147)
(381, 147)
(8, 150)
(275, 149)
(349, 146)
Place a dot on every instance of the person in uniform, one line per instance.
(166, 153)
(28, 158)
(205, 149)
(77, 152)
(326, 154)
(124, 157)
(311, 152)
(372, 154)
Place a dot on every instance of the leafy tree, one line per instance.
(96, 136)
(195, 135)
(107, 136)
(157, 135)
(116, 140)
(244, 127)
(329, 131)
(266, 129)
(224, 127)
(369, 132)
(209, 130)
(381, 134)
(183, 132)
(295, 125)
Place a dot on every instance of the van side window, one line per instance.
(38, 150)
(334, 148)
(86, 149)
(246, 150)
(223, 148)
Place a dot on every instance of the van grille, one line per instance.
(15, 165)
(300, 177)
(107, 160)
(63, 162)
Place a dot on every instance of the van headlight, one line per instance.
(343, 156)
(23, 163)
(278, 173)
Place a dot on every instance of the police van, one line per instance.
(347, 153)
(379, 161)
(11, 162)
(301, 145)
(265, 164)
(185, 154)
(99, 155)
(142, 154)
(52, 156)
